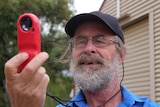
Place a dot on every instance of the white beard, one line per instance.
(94, 79)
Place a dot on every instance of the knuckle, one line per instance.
(35, 94)
(42, 70)
(8, 88)
(7, 66)
(46, 78)
(29, 68)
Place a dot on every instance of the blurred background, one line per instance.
(53, 15)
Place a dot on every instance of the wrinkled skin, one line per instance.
(28, 88)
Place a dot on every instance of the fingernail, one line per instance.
(45, 54)
(42, 69)
(25, 55)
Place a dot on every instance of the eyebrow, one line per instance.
(100, 35)
(80, 36)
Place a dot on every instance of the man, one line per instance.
(95, 52)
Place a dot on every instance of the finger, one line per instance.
(33, 83)
(40, 90)
(32, 67)
(11, 66)
(43, 84)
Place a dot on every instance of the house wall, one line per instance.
(140, 21)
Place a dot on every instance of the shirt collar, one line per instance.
(129, 98)
(80, 99)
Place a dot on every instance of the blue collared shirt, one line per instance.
(129, 100)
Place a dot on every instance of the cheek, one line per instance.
(75, 54)
(107, 55)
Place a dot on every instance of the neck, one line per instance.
(95, 99)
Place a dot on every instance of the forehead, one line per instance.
(92, 28)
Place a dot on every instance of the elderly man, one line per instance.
(96, 51)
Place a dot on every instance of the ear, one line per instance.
(122, 55)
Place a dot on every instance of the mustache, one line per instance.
(93, 58)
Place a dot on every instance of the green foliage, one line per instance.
(54, 13)
(63, 88)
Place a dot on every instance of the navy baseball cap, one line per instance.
(110, 22)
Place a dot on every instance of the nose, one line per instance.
(89, 48)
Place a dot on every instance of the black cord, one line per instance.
(109, 99)
(60, 101)
(55, 98)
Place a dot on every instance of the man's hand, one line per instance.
(28, 88)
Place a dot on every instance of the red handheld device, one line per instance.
(29, 39)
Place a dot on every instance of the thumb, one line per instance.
(11, 66)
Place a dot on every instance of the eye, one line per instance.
(100, 39)
(80, 40)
